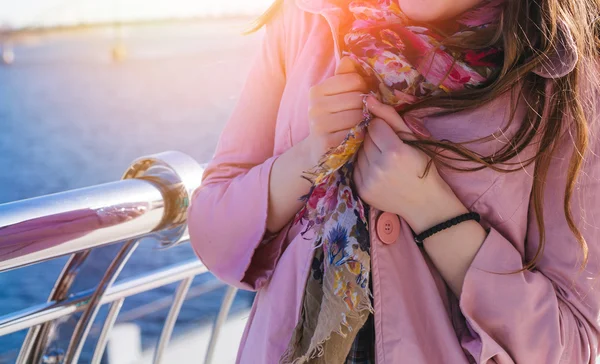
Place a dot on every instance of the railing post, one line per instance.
(223, 313)
(165, 336)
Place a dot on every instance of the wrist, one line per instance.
(306, 153)
(442, 206)
(309, 152)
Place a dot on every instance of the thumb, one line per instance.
(346, 65)
(391, 117)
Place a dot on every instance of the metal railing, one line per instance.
(150, 201)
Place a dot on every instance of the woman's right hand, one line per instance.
(335, 106)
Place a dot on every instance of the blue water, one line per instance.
(71, 118)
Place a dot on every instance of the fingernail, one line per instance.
(372, 101)
(416, 126)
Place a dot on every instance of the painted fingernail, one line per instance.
(372, 101)
(416, 126)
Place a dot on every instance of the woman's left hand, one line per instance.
(390, 175)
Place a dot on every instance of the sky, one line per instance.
(19, 13)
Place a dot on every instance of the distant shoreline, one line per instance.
(14, 34)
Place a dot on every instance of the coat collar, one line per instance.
(332, 12)
(565, 58)
(318, 6)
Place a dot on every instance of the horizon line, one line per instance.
(4, 29)
(122, 22)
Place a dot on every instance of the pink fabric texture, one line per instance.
(547, 315)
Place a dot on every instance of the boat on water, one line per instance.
(150, 201)
(7, 55)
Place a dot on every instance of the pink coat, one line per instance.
(547, 315)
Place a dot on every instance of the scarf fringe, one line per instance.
(363, 307)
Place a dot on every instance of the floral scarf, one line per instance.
(405, 62)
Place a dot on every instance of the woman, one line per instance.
(489, 254)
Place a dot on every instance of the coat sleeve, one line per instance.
(228, 213)
(549, 314)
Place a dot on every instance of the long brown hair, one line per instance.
(530, 32)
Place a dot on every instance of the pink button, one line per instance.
(388, 227)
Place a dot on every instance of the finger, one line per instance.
(339, 84)
(370, 149)
(362, 161)
(343, 102)
(416, 126)
(383, 136)
(346, 65)
(391, 117)
(358, 178)
(343, 120)
(361, 165)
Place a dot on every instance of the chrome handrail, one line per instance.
(42, 228)
(150, 201)
(152, 198)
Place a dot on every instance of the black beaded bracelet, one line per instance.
(420, 238)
